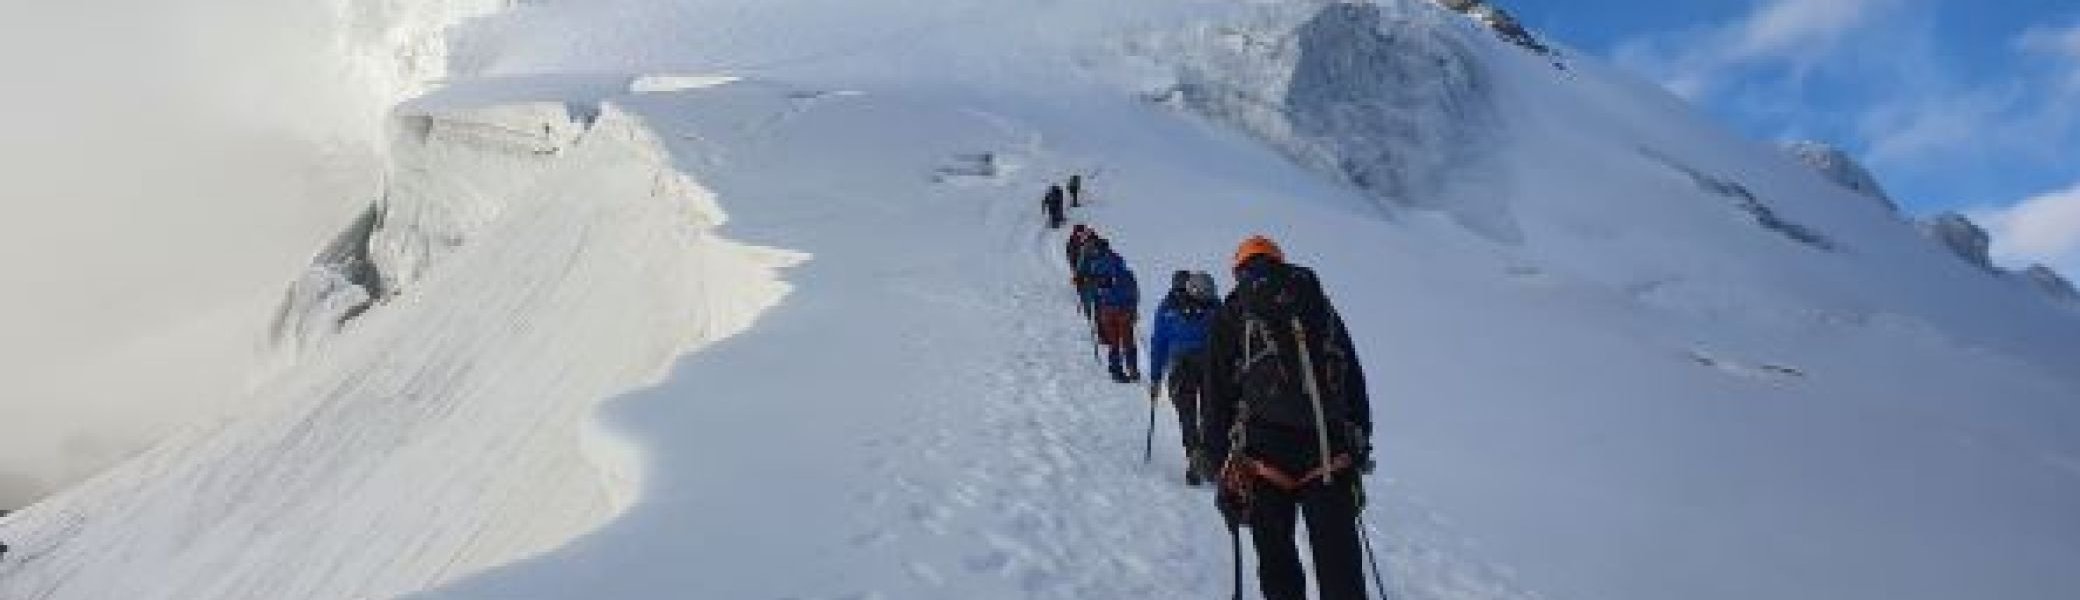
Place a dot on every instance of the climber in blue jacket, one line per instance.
(1177, 347)
(1109, 286)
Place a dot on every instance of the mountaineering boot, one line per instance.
(1191, 476)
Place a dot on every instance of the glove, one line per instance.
(1365, 464)
(1234, 493)
(1361, 439)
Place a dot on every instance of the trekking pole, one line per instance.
(1378, 580)
(1148, 444)
(1096, 341)
(1235, 550)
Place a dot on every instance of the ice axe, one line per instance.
(1235, 550)
(1378, 580)
(1148, 444)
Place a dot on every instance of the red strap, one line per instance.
(1286, 482)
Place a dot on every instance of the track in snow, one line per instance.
(954, 438)
(1044, 481)
(1051, 497)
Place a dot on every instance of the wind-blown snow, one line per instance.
(169, 164)
(447, 428)
(1660, 383)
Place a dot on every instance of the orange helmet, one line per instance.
(1257, 245)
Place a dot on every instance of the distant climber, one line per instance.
(1177, 348)
(1080, 237)
(1052, 204)
(1109, 287)
(1081, 240)
(1076, 190)
(1286, 406)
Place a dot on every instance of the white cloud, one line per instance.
(1790, 33)
(2061, 44)
(1878, 75)
(2042, 229)
(1915, 127)
(1785, 28)
(2050, 40)
(2033, 114)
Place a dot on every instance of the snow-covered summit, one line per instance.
(745, 299)
(1962, 237)
(1838, 166)
(2051, 283)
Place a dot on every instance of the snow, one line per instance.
(2051, 283)
(1837, 166)
(1394, 103)
(686, 307)
(445, 427)
(674, 83)
(170, 165)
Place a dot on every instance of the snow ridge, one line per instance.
(1612, 334)
(449, 427)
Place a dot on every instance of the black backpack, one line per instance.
(1192, 294)
(1279, 312)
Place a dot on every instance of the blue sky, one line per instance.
(1960, 105)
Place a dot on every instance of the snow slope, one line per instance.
(442, 432)
(1615, 350)
(168, 164)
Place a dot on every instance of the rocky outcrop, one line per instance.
(1747, 201)
(2048, 281)
(1500, 21)
(1970, 242)
(1837, 166)
(1964, 238)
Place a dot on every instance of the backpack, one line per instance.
(1079, 242)
(1279, 312)
(1193, 292)
(1199, 286)
(1107, 277)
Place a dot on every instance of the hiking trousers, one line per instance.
(1186, 380)
(1116, 330)
(1332, 528)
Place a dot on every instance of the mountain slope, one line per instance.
(1616, 351)
(444, 431)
